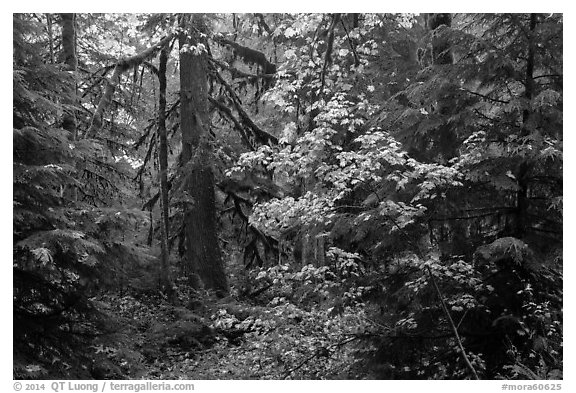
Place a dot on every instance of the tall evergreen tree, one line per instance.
(202, 258)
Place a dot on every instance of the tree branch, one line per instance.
(228, 114)
(250, 56)
(120, 67)
(238, 73)
(452, 325)
(356, 57)
(455, 218)
(328, 53)
(261, 135)
(485, 96)
(263, 23)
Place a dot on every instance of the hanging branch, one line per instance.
(149, 205)
(236, 73)
(260, 135)
(146, 158)
(224, 110)
(250, 56)
(99, 78)
(122, 66)
(145, 134)
(151, 67)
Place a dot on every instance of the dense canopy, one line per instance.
(287, 196)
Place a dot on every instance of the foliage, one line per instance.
(64, 235)
(447, 131)
(363, 179)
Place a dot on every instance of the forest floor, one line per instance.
(150, 338)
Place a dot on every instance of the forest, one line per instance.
(287, 196)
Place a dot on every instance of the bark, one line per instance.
(18, 43)
(524, 168)
(442, 55)
(328, 53)
(120, 67)
(50, 36)
(69, 41)
(69, 58)
(163, 174)
(327, 61)
(203, 263)
(69, 121)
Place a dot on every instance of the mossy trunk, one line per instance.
(202, 260)
(69, 58)
(165, 281)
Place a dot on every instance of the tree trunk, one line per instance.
(202, 260)
(69, 121)
(50, 36)
(442, 55)
(69, 58)
(163, 175)
(524, 167)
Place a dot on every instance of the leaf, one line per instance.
(33, 368)
(43, 255)
(546, 98)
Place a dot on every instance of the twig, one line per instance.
(259, 291)
(484, 96)
(442, 302)
(356, 57)
(452, 325)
